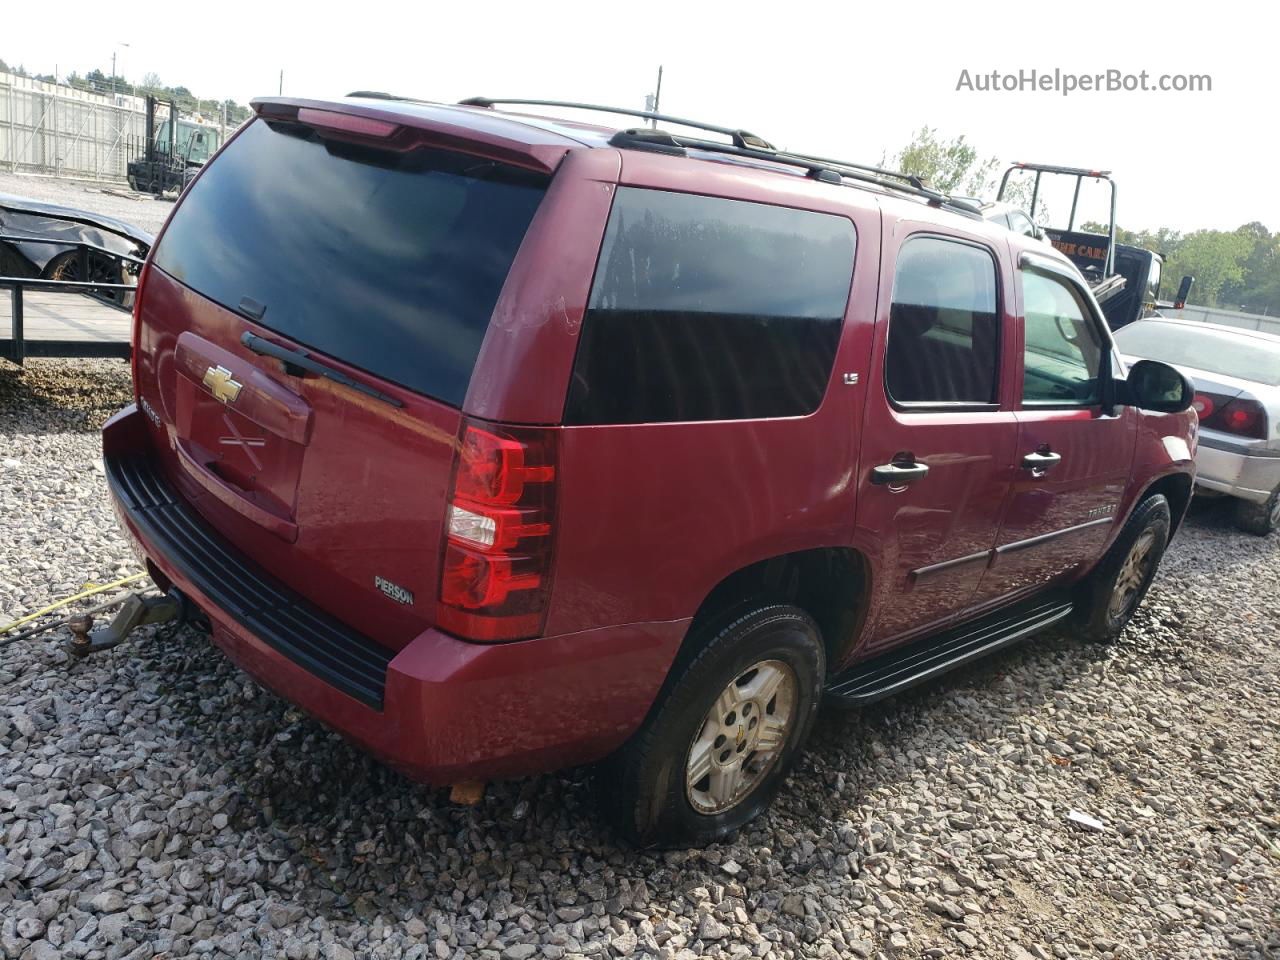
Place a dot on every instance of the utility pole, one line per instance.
(280, 89)
(652, 100)
(114, 51)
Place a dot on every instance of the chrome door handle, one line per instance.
(1041, 462)
(900, 472)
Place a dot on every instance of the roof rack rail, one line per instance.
(744, 144)
(818, 168)
(740, 138)
(382, 95)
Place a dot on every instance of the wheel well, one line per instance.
(827, 583)
(1176, 488)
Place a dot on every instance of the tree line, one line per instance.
(1234, 269)
(95, 81)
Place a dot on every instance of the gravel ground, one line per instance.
(140, 209)
(156, 802)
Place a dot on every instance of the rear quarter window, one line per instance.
(705, 308)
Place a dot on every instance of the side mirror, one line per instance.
(1184, 292)
(1153, 385)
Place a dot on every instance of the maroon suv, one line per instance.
(502, 443)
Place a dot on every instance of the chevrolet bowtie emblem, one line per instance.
(220, 384)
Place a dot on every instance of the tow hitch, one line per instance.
(136, 611)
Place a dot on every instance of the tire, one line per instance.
(766, 661)
(1259, 518)
(1115, 588)
(102, 269)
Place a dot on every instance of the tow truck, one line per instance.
(1125, 279)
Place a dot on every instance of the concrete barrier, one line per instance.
(1228, 318)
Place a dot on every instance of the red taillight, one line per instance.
(492, 469)
(1245, 417)
(495, 577)
(1242, 416)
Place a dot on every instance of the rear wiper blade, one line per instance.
(302, 360)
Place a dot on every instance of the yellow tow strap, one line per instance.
(91, 590)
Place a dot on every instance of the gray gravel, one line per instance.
(155, 802)
(140, 209)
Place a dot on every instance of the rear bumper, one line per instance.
(440, 710)
(1224, 468)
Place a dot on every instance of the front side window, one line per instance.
(704, 308)
(1063, 355)
(944, 330)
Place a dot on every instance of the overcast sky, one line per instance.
(844, 80)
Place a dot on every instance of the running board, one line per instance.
(889, 673)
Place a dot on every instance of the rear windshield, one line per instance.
(390, 261)
(1212, 350)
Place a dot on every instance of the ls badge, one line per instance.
(218, 380)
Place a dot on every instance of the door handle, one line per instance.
(898, 473)
(1041, 461)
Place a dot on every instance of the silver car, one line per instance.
(1237, 378)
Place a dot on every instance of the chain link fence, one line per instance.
(57, 130)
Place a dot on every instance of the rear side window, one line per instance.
(710, 309)
(944, 332)
(390, 261)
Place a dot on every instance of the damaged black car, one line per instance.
(44, 240)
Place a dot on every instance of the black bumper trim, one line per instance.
(275, 614)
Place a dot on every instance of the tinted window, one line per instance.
(390, 261)
(944, 334)
(710, 309)
(1213, 350)
(1063, 353)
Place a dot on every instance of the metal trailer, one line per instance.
(101, 331)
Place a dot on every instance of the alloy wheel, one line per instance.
(741, 736)
(1133, 573)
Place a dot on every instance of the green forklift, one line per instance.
(172, 152)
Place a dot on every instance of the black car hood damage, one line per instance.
(22, 217)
